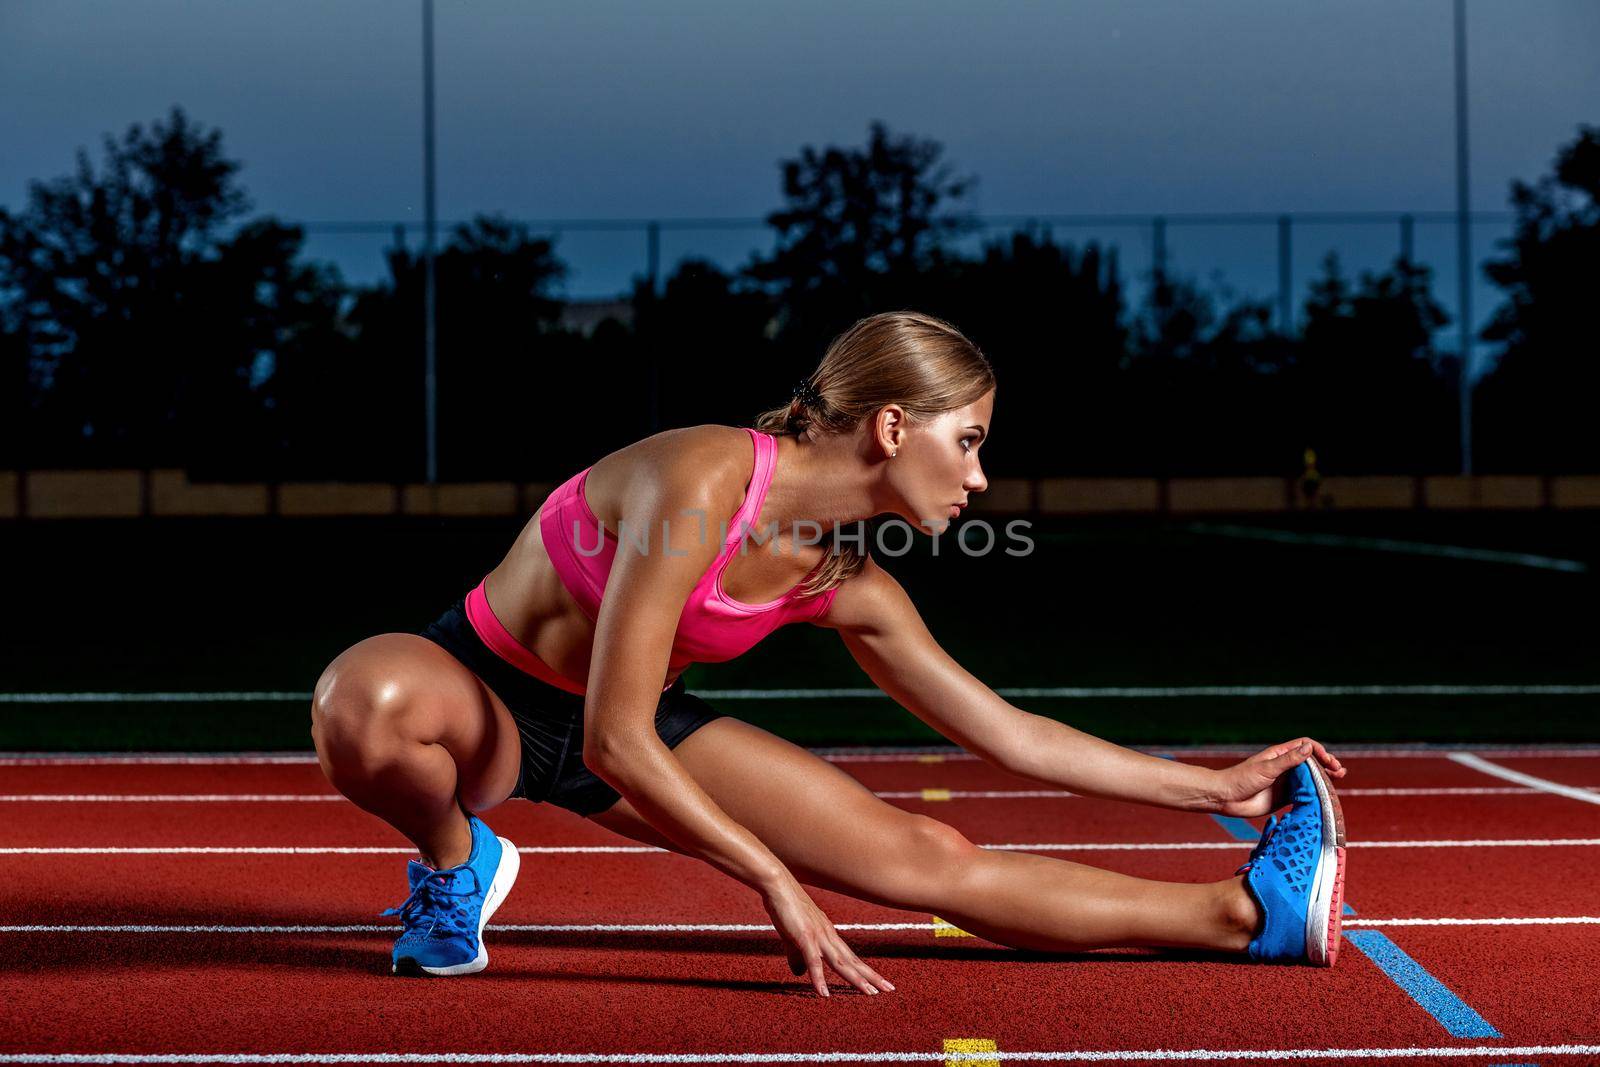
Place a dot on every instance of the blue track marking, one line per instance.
(1431, 994)
(1238, 828)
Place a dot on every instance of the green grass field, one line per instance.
(207, 605)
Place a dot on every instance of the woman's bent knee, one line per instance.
(931, 859)
(942, 850)
(363, 698)
(386, 699)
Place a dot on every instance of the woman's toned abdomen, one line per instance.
(530, 601)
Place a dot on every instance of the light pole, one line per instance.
(1463, 238)
(429, 347)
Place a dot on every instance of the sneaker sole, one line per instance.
(1325, 913)
(499, 886)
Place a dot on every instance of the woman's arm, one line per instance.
(886, 635)
(644, 598)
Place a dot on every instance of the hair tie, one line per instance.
(806, 393)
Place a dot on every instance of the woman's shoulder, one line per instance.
(709, 463)
(709, 455)
(870, 601)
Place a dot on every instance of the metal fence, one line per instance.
(1259, 254)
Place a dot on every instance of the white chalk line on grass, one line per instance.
(1500, 1052)
(887, 794)
(1544, 785)
(861, 754)
(368, 928)
(171, 798)
(1076, 846)
(1388, 544)
(872, 693)
(683, 928)
(251, 798)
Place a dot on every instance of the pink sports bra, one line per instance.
(713, 627)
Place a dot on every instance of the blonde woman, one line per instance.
(558, 680)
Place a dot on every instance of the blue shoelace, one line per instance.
(1261, 845)
(427, 902)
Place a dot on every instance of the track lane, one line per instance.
(706, 993)
(665, 887)
(630, 992)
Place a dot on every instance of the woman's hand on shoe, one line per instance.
(1257, 786)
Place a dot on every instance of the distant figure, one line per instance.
(559, 679)
(1310, 480)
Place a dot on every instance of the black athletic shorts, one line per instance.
(550, 720)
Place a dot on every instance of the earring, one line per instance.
(895, 453)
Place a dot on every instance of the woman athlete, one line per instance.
(536, 685)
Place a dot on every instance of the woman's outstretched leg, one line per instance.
(1026, 900)
(408, 733)
(832, 832)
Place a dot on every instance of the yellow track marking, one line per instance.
(944, 929)
(971, 1044)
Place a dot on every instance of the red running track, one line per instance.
(698, 992)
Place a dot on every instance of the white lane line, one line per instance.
(940, 754)
(973, 794)
(299, 850)
(1544, 785)
(1554, 920)
(1516, 842)
(251, 696)
(165, 798)
(604, 928)
(1174, 692)
(241, 798)
(889, 794)
(1440, 791)
(681, 928)
(1501, 1052)
(1106, 846)
(154, 759)
(1057, 692)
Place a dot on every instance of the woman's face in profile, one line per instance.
(939, 468)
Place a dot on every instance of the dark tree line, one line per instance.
(147, 320)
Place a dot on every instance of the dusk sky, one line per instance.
(603, 110)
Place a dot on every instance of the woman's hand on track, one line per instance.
(813, 945)
(1257, 786)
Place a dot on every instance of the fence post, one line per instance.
(1285, 285)
(430, 354)
(653, 256)
(1159, 226)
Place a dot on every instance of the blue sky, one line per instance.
(595, 109)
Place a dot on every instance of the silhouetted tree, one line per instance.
(1205, 384)
(284, 315)
(859, 228)
(140, 317)
(1535, 410)
(1050, 317)
(1366, 378)
(506, 372)
(702, 323)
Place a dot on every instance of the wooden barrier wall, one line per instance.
(169, 493)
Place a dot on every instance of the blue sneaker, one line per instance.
(446, 911)
(1296, 874)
